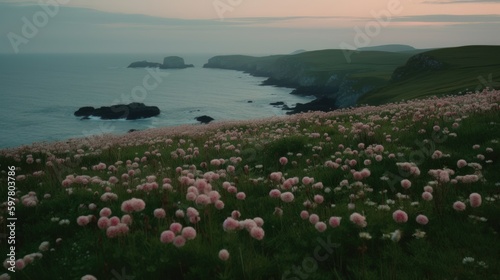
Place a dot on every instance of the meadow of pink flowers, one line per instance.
(404, 191)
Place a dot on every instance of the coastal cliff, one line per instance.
(325, 74)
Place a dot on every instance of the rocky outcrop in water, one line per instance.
(204, 119)
(131, 111)
(144, 64)
(174, 62)
(169, 62)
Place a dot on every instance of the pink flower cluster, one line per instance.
(30, 199)
(133, 205)
(358, 219)
(253, 226)
(178, 235)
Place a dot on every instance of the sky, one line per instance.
(241, 26)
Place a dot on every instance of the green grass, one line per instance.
(292, 248)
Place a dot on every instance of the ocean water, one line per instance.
(40, 93)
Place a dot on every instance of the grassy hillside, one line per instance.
(373, 68)
(399, 191)
(464, 68)
(368, 67)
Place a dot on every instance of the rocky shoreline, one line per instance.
(281, 74)
(131, 111)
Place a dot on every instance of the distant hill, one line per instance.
(374, 77)
(440, 71)
(389, 48)
(298, 51)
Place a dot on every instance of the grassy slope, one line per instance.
(366, 66)
(463, 67)
(289, 241)
(372, 67)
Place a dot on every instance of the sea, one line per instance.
(39, 94)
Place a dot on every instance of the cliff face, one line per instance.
(288, 71)
(417, 64)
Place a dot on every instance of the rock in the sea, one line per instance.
(204, 119)
(84, 111)
(131, 111)
(169, 62)
(174, 62)
(279, 103)
(144, 64)
(324, 104)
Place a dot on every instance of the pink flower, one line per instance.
(214, 196)
(103, 223)
(113, 180)
(223, 254)
(320, 226)
(203, 199)
(88, 277)
(475, 200)
(167, 236)
(257, 233)
(427, 196)
(192, 212)
(82, 220)
(134, 204)
(459, 206)
(283, 160)
(304, 214)
(287, 197)
(461, 163)
(179, 241)
(189, 233)
(422, 219)
(159, 213)
(176, 227)
(112, 231)
(276, 176)
(20, 264)
(248, 224)
(219, 204)
(126, 219)
(365, 173)
(334, 221)
(179, 213)
(274, 193)
(400, 216)
(258, 221)
(232, 189)
(307, 180)
(318, 199)
(358, 219)
(241, 196)
(105, 212)
(313, 219)
(114, 221)
(230, 224)
(235, 214)
(191, 196)
(122, 228)
(405, 183)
